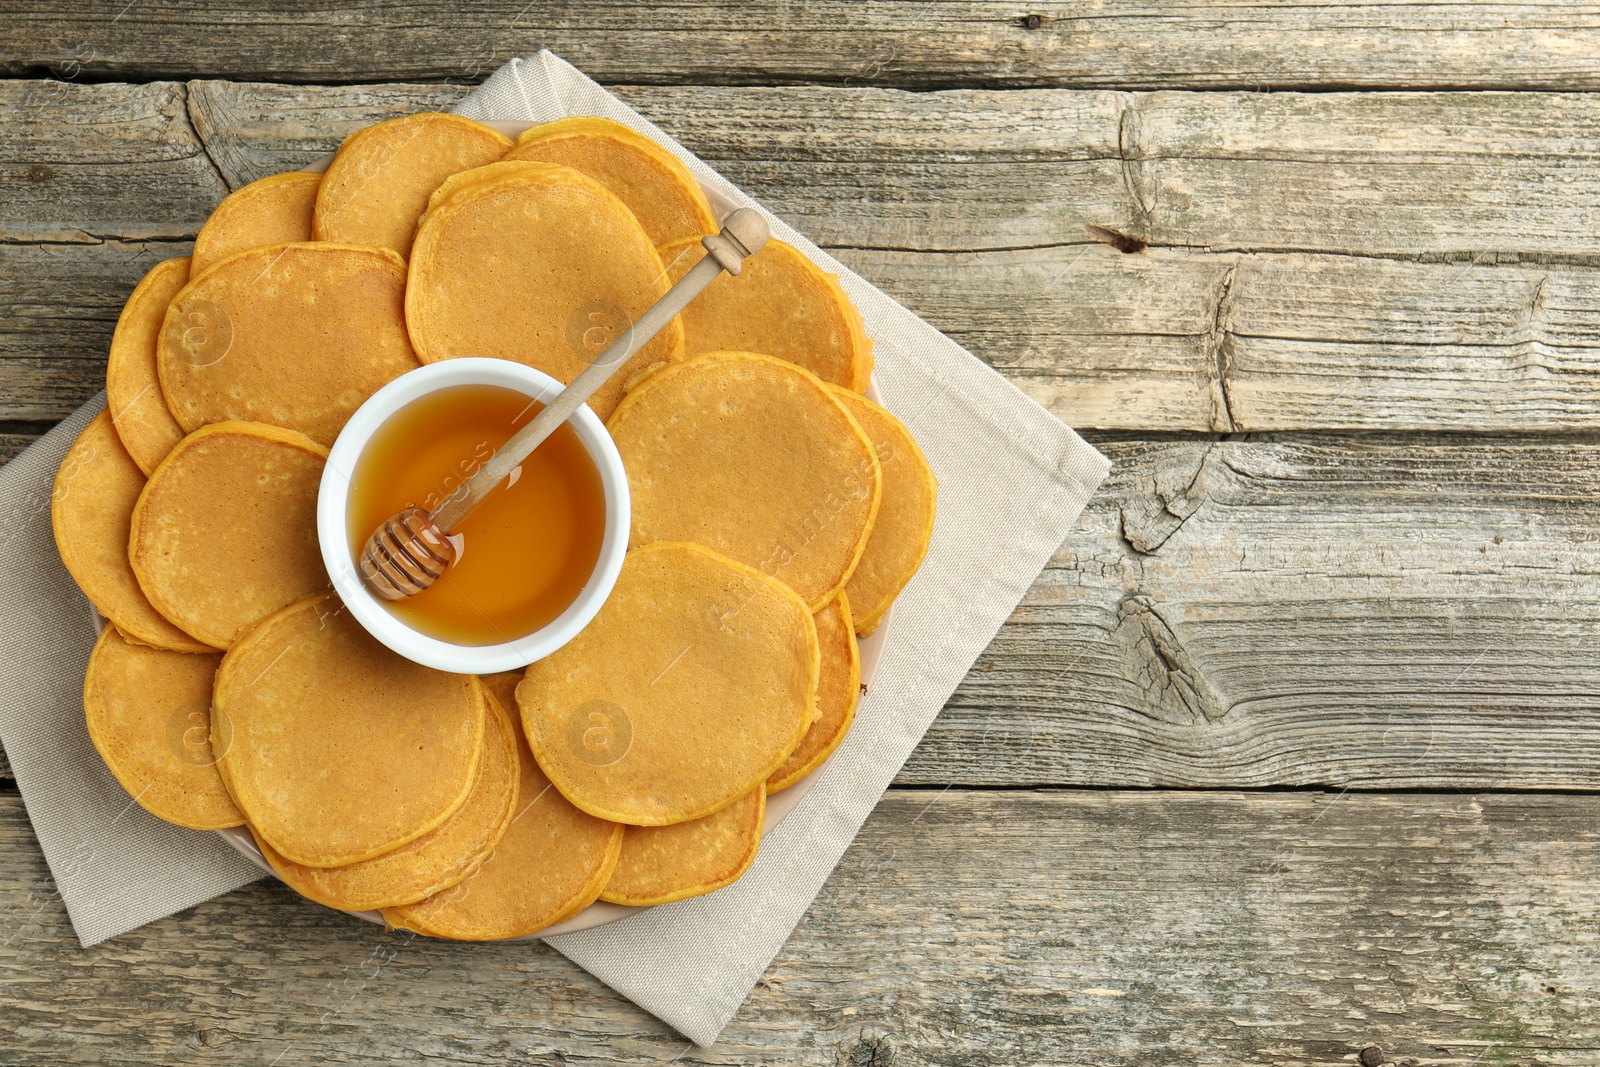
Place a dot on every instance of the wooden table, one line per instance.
(1292, 750)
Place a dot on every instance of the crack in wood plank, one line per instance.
(1179, 691)
(1219, 345)
(200, 139)
(1128, 155)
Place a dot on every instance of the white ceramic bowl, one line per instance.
(333, 505)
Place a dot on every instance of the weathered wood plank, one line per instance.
(1360, 612)
(1167, 339)
(962, 928)
(1404, 175)
(1416, 175)
(1105, 340)
(90, 162)
(1161, 340)
(255, 130)
(58, 309)
(1120, 44)
(1352, 611)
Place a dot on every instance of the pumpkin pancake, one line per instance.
(735, 656)
(660, 864)
(753, 457)
(272, 211)
(904, 529)
(149, 715)
(435, 861)
(336, 749)
(653, 182)
(534, 263)
(550, 864)
(133, 390)
(503, 687)
(781, 304)
(378, 185)
(296, 335)
(838, 690)
(91, 509)
(225, 533)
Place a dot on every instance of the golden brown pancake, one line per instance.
(550, 865)
(225, 533)
(691, 686)
(782, 305)
(503, 687)
(378, 185)
(904, 528)
(133, 390)
(751, 456)
(534, 263)
(296, 335)
(149, 715)
(271, 211)
(435, 861)
(838, 690)
(336, 749)
(653, 182)
(660, 864)
(90, 510)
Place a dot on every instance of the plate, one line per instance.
(779, 804)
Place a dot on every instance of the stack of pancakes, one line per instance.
(776, 515)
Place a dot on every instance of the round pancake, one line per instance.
(838, 690)
(691, 686)
(534, 263)
(378, 184)
(296, 335)
(904, 529)
(272, 211)
(133, 390)
(653, 182)
(435, 861)
(753, 457)
(91, 510)
(225, 532)
(660, 864)
(149, 715)
(782, 305)
(550, 865)
(336, 749)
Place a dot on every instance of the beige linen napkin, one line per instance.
(1012, 482)
(115, 866)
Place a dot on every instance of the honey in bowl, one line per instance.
(524, 553)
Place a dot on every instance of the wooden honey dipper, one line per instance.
(409, 551)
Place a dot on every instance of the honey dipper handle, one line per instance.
(744, 233)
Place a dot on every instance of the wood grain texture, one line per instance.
(961, 929)
(1350, 611)
(83, 163)
(254, 130)
(1159, 341)
(914, 44)
(1413, 175)
(1170, 339)
(58, 306)
(1244, 604)
(975, 230)
(1358, 611)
